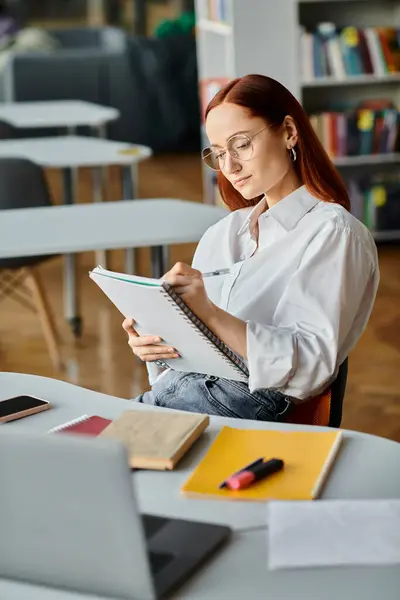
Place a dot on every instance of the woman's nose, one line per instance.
(231, 165)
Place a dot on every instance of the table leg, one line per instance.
(165, 259)
(130, 180)
(140, 12)
(101, 132)
(158, 264)
(74, 172)
(70, 286)
(130, 261)
(98, 181)
(129, 192)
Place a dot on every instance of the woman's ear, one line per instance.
(290, 132)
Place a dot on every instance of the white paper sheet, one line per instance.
(333, 532)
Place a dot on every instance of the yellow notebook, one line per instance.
(308, 458)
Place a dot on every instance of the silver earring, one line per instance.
(292, 154)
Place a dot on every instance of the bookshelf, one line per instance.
(231, 41)
(268, 37)
(351, 80)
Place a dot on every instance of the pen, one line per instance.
(161, 363)
(218, 272)
(253, 464)
(245, 478)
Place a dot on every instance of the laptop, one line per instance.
(69, 520)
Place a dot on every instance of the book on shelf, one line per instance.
(375, 200)
(217, 197)
(208, 88)
(340, 52)
(370, 128)
(216, 10)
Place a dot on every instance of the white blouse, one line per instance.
(305, 286)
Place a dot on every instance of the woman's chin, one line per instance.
(249, 192)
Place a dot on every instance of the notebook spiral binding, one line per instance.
(229, 355)
(69, 423)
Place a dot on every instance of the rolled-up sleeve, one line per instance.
(153, 371)
(332, 290)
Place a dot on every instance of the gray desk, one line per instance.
(104, 226)
(150, 223)
(69, 153)
(159, 493)
(239, 571)
(67, 114)
(73, 151)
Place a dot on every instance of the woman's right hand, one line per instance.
(147, 347)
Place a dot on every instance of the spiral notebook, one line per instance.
(91, 425)
(159, 311)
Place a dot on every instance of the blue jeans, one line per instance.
(215, 396)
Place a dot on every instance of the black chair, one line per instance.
(23, 185)
(7, 131)
(338, 390)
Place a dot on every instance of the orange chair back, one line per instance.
(316, 411)
(326, 409)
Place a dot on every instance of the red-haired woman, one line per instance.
(303, 272)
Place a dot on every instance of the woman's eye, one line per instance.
(220, 155)
(243, 146)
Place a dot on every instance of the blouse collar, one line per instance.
(287, 212)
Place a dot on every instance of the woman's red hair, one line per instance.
(267, 98)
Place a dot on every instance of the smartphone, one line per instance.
(21, 406)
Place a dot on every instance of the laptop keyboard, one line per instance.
(152, 524)
(158, 561)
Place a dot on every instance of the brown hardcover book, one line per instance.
(365, 53)
(386, 50)
(156, 439)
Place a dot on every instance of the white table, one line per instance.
(67, 114)
(72, 151)
(239, 570)
(68, 153)
(153, 223)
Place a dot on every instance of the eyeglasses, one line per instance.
(239, 146)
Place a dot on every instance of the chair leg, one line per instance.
(45, 315)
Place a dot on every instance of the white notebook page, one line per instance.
(323, 533)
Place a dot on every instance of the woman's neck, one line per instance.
(283, 188)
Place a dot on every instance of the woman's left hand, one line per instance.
(189, 284)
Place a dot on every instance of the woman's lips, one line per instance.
(240, 182)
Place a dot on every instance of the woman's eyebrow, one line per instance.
(239, 132)
(242, 131)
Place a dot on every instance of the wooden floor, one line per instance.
(101, 360)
